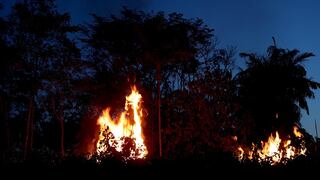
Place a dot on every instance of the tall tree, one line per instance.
(39, 33)
(4, 66)
(201, 117)
(274, 88)
(147, 48)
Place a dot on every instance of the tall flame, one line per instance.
(271, 148)
(113, 132)
(275, 150)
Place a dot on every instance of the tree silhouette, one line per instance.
(146, 48)
(39, 35)
(200, 118)
(273, 89)
(4, 66)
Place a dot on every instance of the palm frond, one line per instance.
(252, 59)
(302, 57)
(303, 104)
(313, 84)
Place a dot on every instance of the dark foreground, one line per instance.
(209, 168)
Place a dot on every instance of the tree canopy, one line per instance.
(274, 88)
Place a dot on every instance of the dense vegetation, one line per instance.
(56, 77)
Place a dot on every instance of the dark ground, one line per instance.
(217, 167)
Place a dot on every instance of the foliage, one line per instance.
(273, 89)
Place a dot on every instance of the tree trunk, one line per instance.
(153, 134)
(159, 107)
(31, 128)
(6, 122)
(61, 122)
(5, 136)
(61, 135)
(28, 133)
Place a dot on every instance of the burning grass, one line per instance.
(275, 150)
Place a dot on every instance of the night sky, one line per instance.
(247, 24)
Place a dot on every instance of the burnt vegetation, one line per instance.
(57, 77)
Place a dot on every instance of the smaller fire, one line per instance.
(275, 150)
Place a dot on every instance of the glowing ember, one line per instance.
(275, 150)
(114, 133)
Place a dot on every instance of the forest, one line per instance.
(65, 96)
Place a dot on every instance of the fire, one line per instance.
(275, 150)
(115, 132)
(296, 132)
(271, 148)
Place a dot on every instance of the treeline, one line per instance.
(56, 77)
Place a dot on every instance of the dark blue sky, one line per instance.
(246, 24)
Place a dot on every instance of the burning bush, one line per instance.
(275, 150)
(123, 135)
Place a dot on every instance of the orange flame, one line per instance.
(275, 150)
(296, 132)
(128, 125)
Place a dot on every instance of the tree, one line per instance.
(39, 35)
(273, 90)
(4, 66)
(146, 48)
(201, 118)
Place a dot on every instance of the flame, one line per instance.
(241, 153)
(270, 149)
(296, 132)
(127, 125)
(275, 150)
